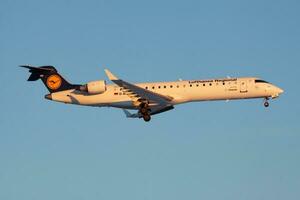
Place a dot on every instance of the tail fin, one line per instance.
(50, 77)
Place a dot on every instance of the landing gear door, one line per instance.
(243, 86)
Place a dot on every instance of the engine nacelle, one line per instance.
(94, 87)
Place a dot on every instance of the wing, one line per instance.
(139, 92)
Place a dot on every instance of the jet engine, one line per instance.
(94, 87)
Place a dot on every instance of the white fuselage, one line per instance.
(179, 91)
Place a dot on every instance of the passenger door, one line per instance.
(243, 86)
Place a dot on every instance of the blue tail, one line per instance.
(53, 81)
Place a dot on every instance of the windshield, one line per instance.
(261, 81)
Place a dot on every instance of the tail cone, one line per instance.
(48, 96)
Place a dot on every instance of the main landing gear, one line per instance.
(147, 117)
(266, 103)
(145, 111)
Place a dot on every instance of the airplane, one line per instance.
(149, 98)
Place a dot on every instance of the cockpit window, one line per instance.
(261, 81)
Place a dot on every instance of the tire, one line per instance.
(144, 110)
(266, 104)
(147, 118)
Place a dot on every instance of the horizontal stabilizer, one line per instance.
(36, 72)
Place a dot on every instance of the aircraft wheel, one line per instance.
(266, 104)
(144, 110)
(146, 118)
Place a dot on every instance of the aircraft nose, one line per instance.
(280, 91)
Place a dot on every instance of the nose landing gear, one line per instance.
(266, 103)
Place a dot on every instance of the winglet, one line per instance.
(110, 75)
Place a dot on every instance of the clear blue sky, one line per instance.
(212, 150)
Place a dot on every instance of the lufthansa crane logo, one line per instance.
(54, 82)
